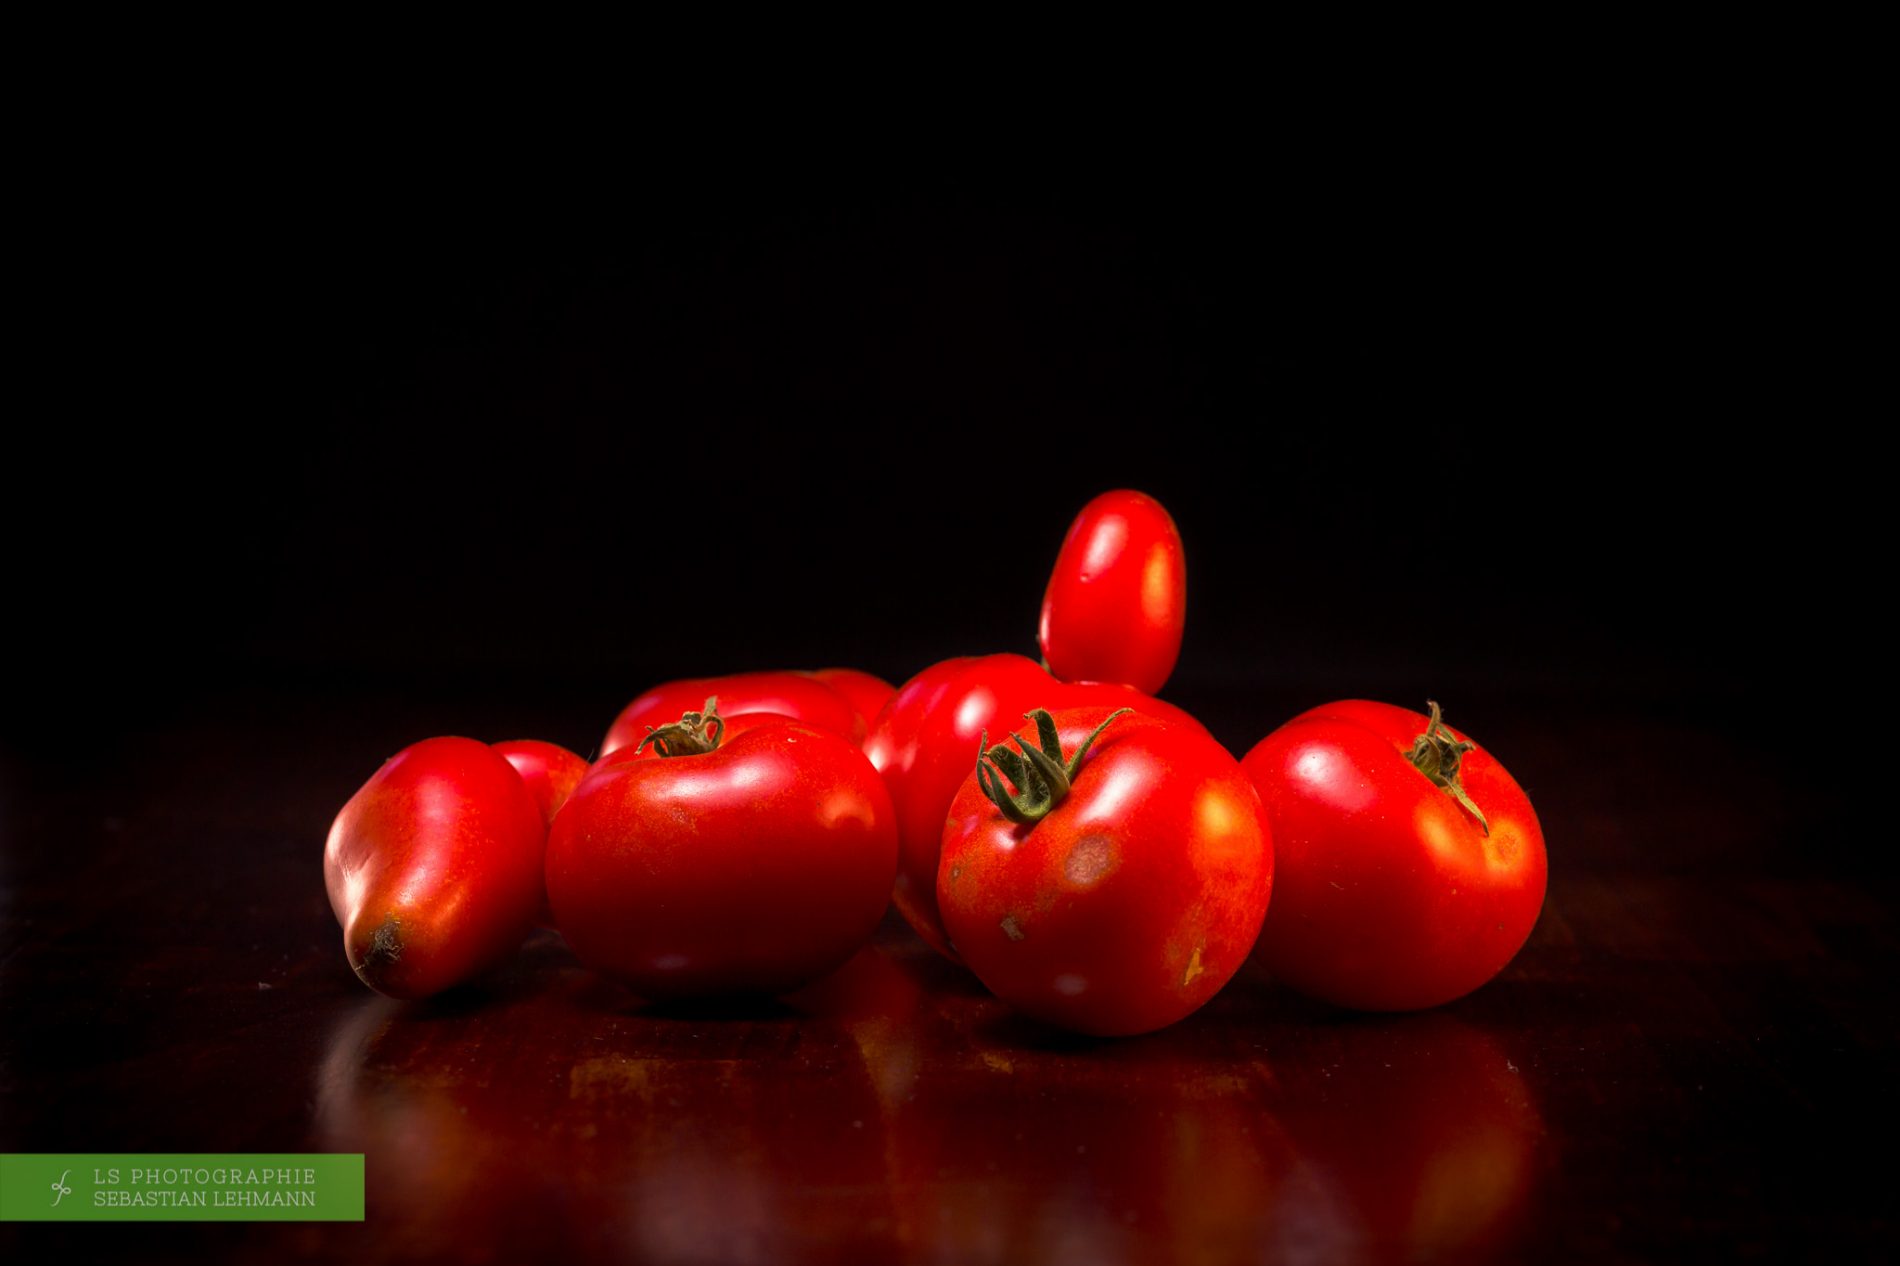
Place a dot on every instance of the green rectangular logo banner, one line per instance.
(181, 1187)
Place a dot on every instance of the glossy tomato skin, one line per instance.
(551, 773)
(797, 695)
(1116, 604)
(753, 868)
(1391, 897)
(924, 744)
(1133, 901)
(433, 867)
(867, 692)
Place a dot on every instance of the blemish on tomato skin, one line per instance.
(384, 952)
(1194, 967)
(386, 944)
(1010, 928)
(1092, 857)
(1502, 846)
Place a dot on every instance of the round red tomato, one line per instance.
(1411, 865)
(925, 741)
(797, 695)
(434, 867)
(754, 865)
(1117, 599)
(1118, 888)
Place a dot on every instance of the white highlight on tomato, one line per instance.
(976, 705)
(1319, 767)
(1111, 792)
(1106, 543)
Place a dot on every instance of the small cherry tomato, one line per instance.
(1111, 890)
(797, 695)
(749, 866)
(1116, 603)
(434, 867)
(925, 744)
(1411, 864)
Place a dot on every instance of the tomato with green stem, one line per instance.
(925, 742)
(1115, 889)
(1411, 864)
(753, 864)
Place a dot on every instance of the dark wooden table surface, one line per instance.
(1676, 1066)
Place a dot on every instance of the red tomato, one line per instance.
(925, 741)
(550, 770)
(755, 865)
(1117, 599)
(789, 694)
(434, 867)
(551, 773)
(867, 693)
(1393, 894)
(1127, 893)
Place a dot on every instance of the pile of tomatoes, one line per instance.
(1089, 851)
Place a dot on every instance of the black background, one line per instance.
(324, 446)
(1478, 421)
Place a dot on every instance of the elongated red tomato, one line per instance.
(925, 743)
(754, 865)
(1116, 603)
(1109, 873)
(796, 695)
(434, 867)
(1411, 864)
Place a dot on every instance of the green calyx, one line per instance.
(1041, 776)
(1437, 755)
(694, 734)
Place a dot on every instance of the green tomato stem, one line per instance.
(1041, 775)
(1438, 756)
(694, 734)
